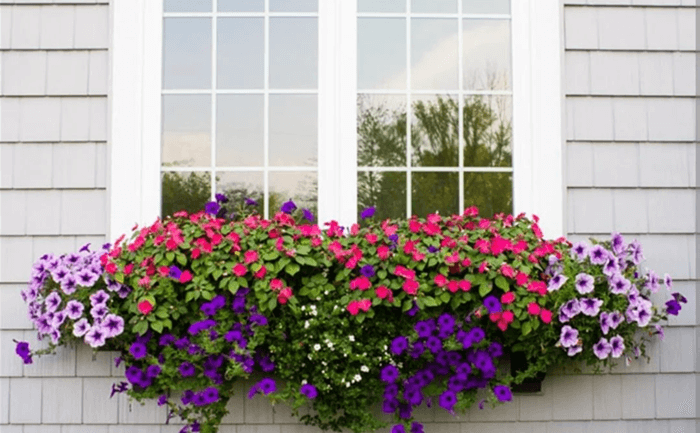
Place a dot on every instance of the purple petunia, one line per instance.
(605, 322)
(200, 326)
(288, 207)
(673, 307)
(618, 243)
(186, 369)
(367, 271)
(424, 328)
(99, 312)
(250, 202)
(579, 251)
(617, 346)
(619, 285)
(447, 400)
(389, 374)
(52, 301)
(113, 325)
(74, 309)
(134, 375)
(96, 336)
(308, 215)
(398, 428)
(368, 212)
(584, 283)
(212, 208)
(611, 267)
(492, 304)
(556, 282)
(502, 393)
(590, 306)
(81, 327)
(267, 386)
(166, 340)
(668, 282)
(602, 348)
(309, 391)
(569, 336)
(221, 198)
(258, 319)
(138, 350)
(652, 282)
(99, 298)
(399, 345)
(153, 371)
(635, 250)
(599, 255)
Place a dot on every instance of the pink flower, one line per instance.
(440, 280)
(405, 272)
(239, 270)
(353, 307)
(250, 257)
(546, 316)
(465, 285)
(145, 307)
(533, 308)
(361, 283)
(276, 284)
(284, 295)
(185, 277)
(507, 298)
(453, 286)
(260, 274)
(507, 271)
(384, 293)
(371, 238)
(411, 287)
(521, 278)
(383, 252)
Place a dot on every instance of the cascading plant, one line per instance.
(396, 313)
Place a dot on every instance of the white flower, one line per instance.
(317, 347)
(306, 325)
(303, 308)
(357, 378)
(364, 369)
(351, 338)
(347, 384)
(303, 382)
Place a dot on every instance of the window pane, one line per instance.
(238, 186)
(486, 6)
(241, 5)
(188, 191)
(486, 51)
(435, 131)
(491, 192)
(434, 54)
(434, 6)
(385, 190)
(381, 131)
(239, 130)
(293, 5)
(435, 192)
(381, 53)
(240, 53)
(187, 5)
(187, 53)
(293, 130)
(186, 130)
(488, 131)
(381, 5)
(293, 53)
(301, 187)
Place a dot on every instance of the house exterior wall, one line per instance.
(630, 146)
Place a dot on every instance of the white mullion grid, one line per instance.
(436, 91)
(214, 77)
(433, 15)
(460, 103)
(460, 170)
(242, 169)
(239, 14)
(409, 112)
(240, 91)
(266, 113)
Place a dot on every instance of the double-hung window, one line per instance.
(413, 106)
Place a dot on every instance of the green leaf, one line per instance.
(141, 327)
(292, 268)
(157, 326)
(119, 277)
(299, 259)
(268, 257)
(445, 297)
(484, 289)
(170, 256)
(407, 305)
(182, 259)
(233, 286)
(189, 296)
(272, 303)
(311, 262)
(502, 283)
(304, 250)
(527, 327)
(429, 301)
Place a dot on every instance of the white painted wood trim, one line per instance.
(337, 111)
(136, 53)
(538, 112)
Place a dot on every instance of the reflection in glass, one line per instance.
(435, 192)
(488, 132)
(486, 6)
(486, 51)
(381, 5)
(238, 186)
(434, 54)
(293, 130)
(385, 190)
(491, 192)
(239, 130)
(381, 130)
(240, 53)
(301, 187)
(293, 53)
(435, 131)
(241, 5)
(186, 130)
(434, 6)
(381, 53)
(187, 53)
(188, 191)
(187, 5)
(293, 6)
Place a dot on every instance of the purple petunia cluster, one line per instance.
(56, 284)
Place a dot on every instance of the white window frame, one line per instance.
(538, 112)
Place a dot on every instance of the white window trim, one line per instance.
(538, 112)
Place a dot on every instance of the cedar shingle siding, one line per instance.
(631, 167)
